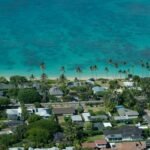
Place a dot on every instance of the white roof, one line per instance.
(12, 111)
(43, 112)
(128, 83)
(107, 124)
(69, 148)
(55, 91)
(76, 118)
(86, 116)
(16, 148)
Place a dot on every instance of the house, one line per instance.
(69, 148)
(76, 118)
(73, 84)
(1, 93)
(66, 111)
(98, 144)
(125, 114)
(98, 89)
(5, 131)
(101, 144)
(107, 124)
(43, 112)
(128, 84)
(126, 133)
(98, 126)
(4, 86)
(55, 91)
(86, 116)
(16, 148)
(90, 81)
(14, 114)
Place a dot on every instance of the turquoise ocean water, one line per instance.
(73, 33)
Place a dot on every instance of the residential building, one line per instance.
(86, 116)
(55, 91)
(126, 133)
(125, 114)
(76, 118)
(66, 111)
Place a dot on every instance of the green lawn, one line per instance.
(93, 138)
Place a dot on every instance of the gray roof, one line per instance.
(76, 118)
(126, 131)
(127, 112)
(61, 111)
(103, 117)
(4, 86)
(55, 91)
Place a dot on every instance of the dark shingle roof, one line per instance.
(126, 131)
(61, 111)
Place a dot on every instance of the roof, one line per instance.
(127, 112)
(76, 118)
(86, 116)
(4, 86)
(128, 83)
(92, 118)
(107, 124)
(124, 131)
(98, 89)
(55, 91)
(64, 110)
(69, 148)
(16, 148)
(98, 125)
(12, 111)
(131, 146)
(43, 112)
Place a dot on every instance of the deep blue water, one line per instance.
(73, 33)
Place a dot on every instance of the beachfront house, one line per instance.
(128, 84)
(125, 114)
(98, 89)
(55, 91)
(73, 84)
(4, 86)
(90, 81)
(126, 133)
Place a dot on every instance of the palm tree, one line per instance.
(62, 69)
(106, 70)
(91, 69)
(78, 70)
(32, 77)
(143, 67)
(62, 78)
(95, 68)
(120, 72)
(42, 66)
(44, 77)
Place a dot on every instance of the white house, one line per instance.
(107, 124)
(86, 116)
(97, 89)
(16, 148)
(55, 91)
(14, 114)
(76, 118)
(128, 84)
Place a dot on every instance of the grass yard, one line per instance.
(93, 138)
